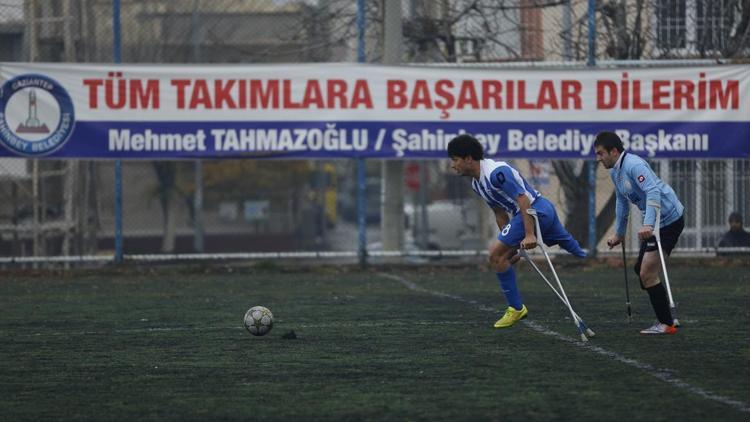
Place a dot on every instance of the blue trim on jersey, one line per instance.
(508, 184)
(534, 193)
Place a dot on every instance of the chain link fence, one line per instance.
(66, 208)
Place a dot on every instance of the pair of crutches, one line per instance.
(580, 325)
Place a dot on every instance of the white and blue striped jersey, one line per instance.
(500, 185)
(635, 182)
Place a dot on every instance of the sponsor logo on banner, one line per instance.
(36, 115)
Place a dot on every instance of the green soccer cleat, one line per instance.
(511, 316)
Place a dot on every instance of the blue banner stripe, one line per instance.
(393, 140)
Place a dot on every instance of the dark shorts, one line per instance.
(669, 236)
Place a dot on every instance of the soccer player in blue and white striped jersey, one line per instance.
(509, 196)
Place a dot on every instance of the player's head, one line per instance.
(609, 141)
(735, 221)
(463, 146)
(465, 153)
(608, 147)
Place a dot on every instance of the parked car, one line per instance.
(451, 225)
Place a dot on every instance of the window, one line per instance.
(714, 24)
(670, 24)
(468, 49)
(694, 26)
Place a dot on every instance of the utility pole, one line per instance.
(34, 56)
(195, 41)
(591, 164)
(71, 175)
(392, 193)
(360, 162)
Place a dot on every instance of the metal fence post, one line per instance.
(198, 235)
(361, 169)
(118, 163)
(591, 164)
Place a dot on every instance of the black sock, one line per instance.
(660, 302)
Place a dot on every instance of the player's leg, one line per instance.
(650, 269)
(553, 231)
(502, 258)
(657, 293)
(648, 266)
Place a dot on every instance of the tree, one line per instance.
(167, 192)
(492, 25)
(623, 40)
(739, 36)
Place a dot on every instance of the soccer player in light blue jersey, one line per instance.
(635, 182)
(509, 196)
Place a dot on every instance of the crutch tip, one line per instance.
(676, 322)
(590, 332)
(583, 338)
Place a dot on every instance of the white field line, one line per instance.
(277, 322)
(334, 324)
(661, 374)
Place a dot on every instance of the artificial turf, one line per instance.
(412, 343)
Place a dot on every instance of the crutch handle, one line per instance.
(537, 228)
(657, 222)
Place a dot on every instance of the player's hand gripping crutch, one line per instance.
(577, 318)
(657, 235)
(582, 329)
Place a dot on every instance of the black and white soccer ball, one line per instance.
(258, 320)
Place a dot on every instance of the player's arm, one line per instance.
(504, 179)
(501, 217)
(497, 182)
(646, 180)
(529, 241)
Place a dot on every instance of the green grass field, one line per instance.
(408, 343)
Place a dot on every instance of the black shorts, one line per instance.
(670, 234)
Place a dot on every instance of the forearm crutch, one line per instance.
(540, 242)
(657, 235)
(627, 289)
(523, 253)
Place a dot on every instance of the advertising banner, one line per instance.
(59, 110)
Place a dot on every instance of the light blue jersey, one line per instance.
(635, 182)
(500, 185)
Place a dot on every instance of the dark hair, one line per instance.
(465, 145)
(735, 216)
(609, 141)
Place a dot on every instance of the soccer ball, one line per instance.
(258, 320)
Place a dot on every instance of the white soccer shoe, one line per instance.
(660, 329)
